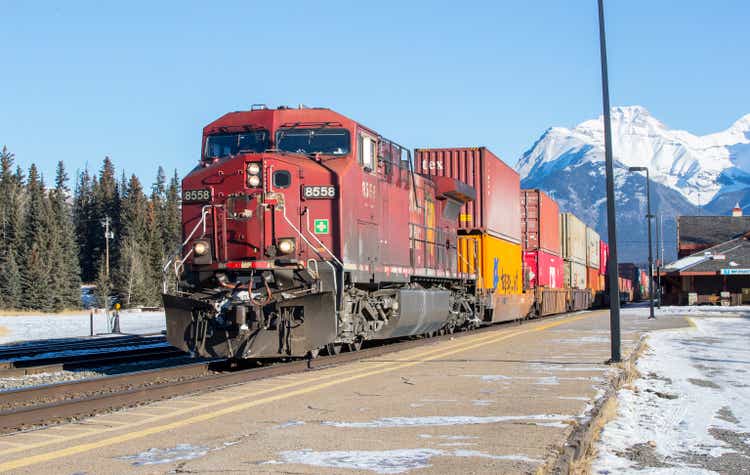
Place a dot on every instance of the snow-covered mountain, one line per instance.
(689, 173)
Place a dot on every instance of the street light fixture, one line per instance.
(650, 257)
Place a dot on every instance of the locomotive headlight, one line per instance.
(253, 181)
(200, 248)
(253, 168)
(286, 245)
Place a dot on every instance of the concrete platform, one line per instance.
(504, 401)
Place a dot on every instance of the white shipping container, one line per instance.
(592, 248)
(573, 238)
(575, 275)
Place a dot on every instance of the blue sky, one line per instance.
(137, 80)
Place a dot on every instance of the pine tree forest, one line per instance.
(56, 235)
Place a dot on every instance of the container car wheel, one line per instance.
(333, 349)
(356, 345)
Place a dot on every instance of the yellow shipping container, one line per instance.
(499, 276)
(499, 262)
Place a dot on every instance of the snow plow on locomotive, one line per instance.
(306, 231)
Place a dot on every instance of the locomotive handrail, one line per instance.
(173, 260)
(299, 233)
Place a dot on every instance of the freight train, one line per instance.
(305, 231)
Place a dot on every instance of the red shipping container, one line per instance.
(543, 269)
(498, 188)
(540, 224)
(603, 257)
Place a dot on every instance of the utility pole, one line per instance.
(107, 236)
(649, 216)
(612, 272)
(659, 262)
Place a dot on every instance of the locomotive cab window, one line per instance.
(225, 145)
(324, 140)
(282, 179)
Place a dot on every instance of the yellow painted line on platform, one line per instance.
(13, 444)
(457, 347)
(43, 433)
(195, 404)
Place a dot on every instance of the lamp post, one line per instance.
(659, 258)
(650, 256)
(614, 289)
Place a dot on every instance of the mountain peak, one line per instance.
(698, 167)
(742, 124)
(631, 111)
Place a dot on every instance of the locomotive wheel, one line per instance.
(334, 349)
(355, 346)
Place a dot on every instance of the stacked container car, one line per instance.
(543, 268)
(593, 260)
(603, 278)
(574, 249)
(644, 283)
(630, 289)
(489, 241)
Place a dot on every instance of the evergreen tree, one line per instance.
(106, 204)
(10, 232)
(84, 217)
(172, 226)
(67, 279)
(133, 278)
(36, 266)
(157, 222)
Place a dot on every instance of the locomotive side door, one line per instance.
(368, 231)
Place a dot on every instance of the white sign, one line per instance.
(734, 271)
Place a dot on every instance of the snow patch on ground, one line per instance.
(542, 380)
(69, 325)
(443, 421)
(378, 461)
(448, 437)
(688, 310)
(384, 461)
(693, 388)
(290, 424)
(155, 455)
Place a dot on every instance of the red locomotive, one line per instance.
(306, 230)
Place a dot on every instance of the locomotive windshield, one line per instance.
(327, 141)
(225, 145)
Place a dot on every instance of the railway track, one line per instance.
(44, 405)
(58, 363)
(34, 348)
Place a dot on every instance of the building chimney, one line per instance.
(737, 211)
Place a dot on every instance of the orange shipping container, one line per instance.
(593, 279)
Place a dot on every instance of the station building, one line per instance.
(713, 265)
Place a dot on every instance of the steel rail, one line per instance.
(71, 362)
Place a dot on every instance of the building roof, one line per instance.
(698, 232)
(731, 254)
